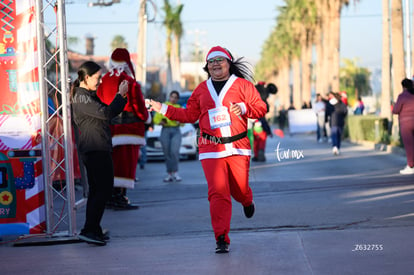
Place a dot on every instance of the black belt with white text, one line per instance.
(224, 140)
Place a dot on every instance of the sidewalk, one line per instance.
(359, 221)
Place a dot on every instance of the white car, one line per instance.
(188, 149)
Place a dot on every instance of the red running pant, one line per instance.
(226, 177)
(259, 142)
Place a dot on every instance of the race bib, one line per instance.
(219, 117)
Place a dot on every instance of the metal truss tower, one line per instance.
(56, 124)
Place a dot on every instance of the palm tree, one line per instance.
(309, 19)
(173, 25)
(118, 42)
(323, 48)
(177, 34)
(275, 59)
(327, 41)
(290, 20)
(335, 30)
(299, 24)
(283, 52)
(302, 17)
(354, 80)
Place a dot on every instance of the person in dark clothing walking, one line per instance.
(336, 112)
(92, 118)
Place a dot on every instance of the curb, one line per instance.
(381, 147)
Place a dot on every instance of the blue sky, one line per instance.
(240, 25)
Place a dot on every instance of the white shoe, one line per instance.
(335, 150)
(177, 177)
(407, 170)
(169, 178)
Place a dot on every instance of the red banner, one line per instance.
(22, 207)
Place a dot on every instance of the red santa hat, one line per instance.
(218, 51)
(121, 55)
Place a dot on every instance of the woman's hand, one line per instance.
(154, 106)
(123, 88)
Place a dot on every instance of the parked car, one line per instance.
(188, 149)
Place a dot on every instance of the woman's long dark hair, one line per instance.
(87, 68)
(239, 68)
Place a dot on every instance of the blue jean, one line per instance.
(336, 135)
(171, 141)
(320, 126)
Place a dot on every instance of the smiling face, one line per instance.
(219, 68)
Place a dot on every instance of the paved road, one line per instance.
(316, 214)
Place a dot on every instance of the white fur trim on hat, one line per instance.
(216, 54)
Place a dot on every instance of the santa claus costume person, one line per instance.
(222, 104)
(127, 129)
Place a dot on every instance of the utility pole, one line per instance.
(408, 70)
(141, 69)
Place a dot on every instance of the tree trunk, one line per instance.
(327, 51)
(175, 65)
(321, 48)
(297, 89)
(169, 84)
(319, 62)
(397, 45)
(335, 29)
(306, 72)
(398, 61)
(284, 91)
(385, 75)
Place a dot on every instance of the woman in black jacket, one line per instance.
(336, 112)
(92, 118)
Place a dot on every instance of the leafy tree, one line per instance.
(73, 40)
(354, 79)
(172, 23)
(118, 42)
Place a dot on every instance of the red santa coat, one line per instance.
(204, 98)
(131, 128)
(128, 129)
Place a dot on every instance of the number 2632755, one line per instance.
(368, 247)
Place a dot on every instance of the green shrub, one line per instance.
(367, 128)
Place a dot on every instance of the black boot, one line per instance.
(261, 156)
(123, 203)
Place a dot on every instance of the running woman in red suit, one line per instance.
(222, 104)
(127, 129)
